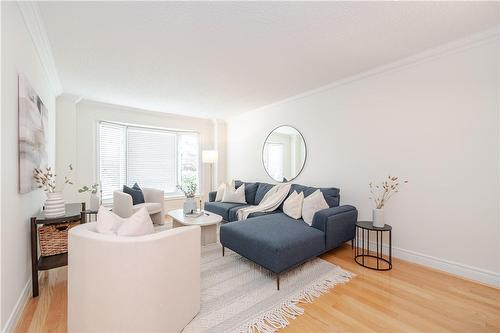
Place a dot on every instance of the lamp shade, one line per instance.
(209, 156)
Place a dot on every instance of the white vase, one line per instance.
(94, 202)
(189, 205)
(54, 205)
(378, 217)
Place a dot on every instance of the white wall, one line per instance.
(76, 137)
(434, 122)
(18, 56)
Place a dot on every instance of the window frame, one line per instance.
(176, 132)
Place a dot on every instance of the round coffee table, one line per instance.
(208, 223)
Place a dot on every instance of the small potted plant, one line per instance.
(46, 180)
(94, 200)
(189, 187)
(380, 194)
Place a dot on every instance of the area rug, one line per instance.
(240, 296)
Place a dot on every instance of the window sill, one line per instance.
(178, 197)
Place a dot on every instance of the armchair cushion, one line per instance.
(152, 207)
(135, 193)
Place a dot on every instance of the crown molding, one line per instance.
(427, 55)
(34, 24)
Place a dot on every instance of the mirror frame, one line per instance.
(262, 153)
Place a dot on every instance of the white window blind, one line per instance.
(112, 163)
(151, 157)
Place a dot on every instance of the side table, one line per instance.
(74, 212)
(362, 253)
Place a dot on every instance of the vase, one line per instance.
(54, 205)
(94, 202)
(378, 218)
(189, 205)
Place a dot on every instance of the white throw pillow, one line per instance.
(234, 196)
(293, 205)
(137, 225)
(107, 221)
(312, 204)
(220, 192)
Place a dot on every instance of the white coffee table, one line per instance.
(208, 223)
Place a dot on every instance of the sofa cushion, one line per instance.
(275, 241)
(234, 211)
(331, 194)
(250, 190)
(262, 189)
(232, 215)
(221, 208)
(234, 195)
(152, 207)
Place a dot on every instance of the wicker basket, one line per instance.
(54, 238)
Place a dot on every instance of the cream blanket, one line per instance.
(271, 201)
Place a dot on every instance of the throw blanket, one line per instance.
(271, 201)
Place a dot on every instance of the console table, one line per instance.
(74, 212)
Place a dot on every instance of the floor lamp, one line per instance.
(210, 157)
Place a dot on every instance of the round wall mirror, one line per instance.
(284, 154)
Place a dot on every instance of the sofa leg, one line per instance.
(278, 281)
(223, 251)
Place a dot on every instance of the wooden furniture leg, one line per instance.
(34, 257)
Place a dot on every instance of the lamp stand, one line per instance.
(211, 177)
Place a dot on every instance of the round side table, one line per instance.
(362, 249)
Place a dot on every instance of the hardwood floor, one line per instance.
(409, 298)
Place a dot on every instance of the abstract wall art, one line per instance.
(33, 133)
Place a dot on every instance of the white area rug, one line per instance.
(240, 296)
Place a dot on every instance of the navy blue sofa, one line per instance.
(276, 241)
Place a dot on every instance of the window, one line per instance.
(273, 159)
(151, 157)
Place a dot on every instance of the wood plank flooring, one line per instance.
(409, 298)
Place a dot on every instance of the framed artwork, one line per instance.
(33, 134)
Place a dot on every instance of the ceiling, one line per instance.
(217, 59)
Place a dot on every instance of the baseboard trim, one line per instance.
(465, 271)
(16, 313)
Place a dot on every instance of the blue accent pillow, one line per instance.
(135, 192)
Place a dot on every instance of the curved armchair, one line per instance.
(147, 283)
(154, 203)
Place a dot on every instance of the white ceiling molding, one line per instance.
(443, 50)
(34, 24)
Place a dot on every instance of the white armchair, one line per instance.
(154, 203)
(146, 283)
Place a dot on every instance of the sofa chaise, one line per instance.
(276, 241)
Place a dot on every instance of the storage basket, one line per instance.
(54, 238)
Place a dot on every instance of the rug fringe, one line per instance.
(278, 317)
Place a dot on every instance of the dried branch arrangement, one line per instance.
(46, 179)
(381, 193)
